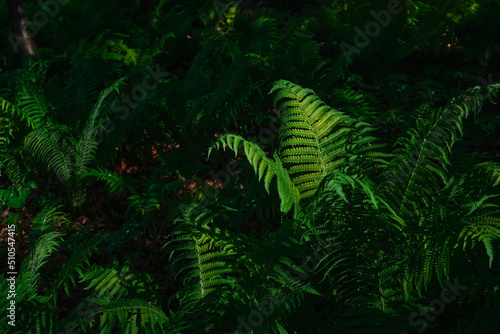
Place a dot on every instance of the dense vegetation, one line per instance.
(229, 167)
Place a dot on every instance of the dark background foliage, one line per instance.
(128, 219)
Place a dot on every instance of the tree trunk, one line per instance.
(21, 37)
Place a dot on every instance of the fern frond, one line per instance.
(130, 316)
(32, 310)
(204, 265)
(30, 268)
(49, 145)
(115, 182)
(423, 156)
(47, 219)
(87, 145)
(33, 105)
(255, 155)
(80, 256)
(13, 167)
(119, 51)
(315, 140)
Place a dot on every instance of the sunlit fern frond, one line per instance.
(315, 139)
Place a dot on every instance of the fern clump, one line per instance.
(50, 134)
(397, 230)
(315, 140)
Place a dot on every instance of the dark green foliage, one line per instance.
(388, 155)
(410, 223)
(68, 155)
(315, 141)
(114, 298)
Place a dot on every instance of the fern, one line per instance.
(203, 261)
(403, 234)
(18, 118)
(314, 141)
(68, 155)
(224, 274)
(113, 301)
(426, 150)
(436, 216)
(31, 309)
(32, 105)
(114, 181)
(78, 259)
(118, 50)
(314, 138)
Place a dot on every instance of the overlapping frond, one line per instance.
(420, 167)
(255, 155)
(51, 146)
(30, 306)
(118, 50)
(32, 105)
(115, 182)
(87, 145)
(204, 262)
(314, 141)
(314, 138)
